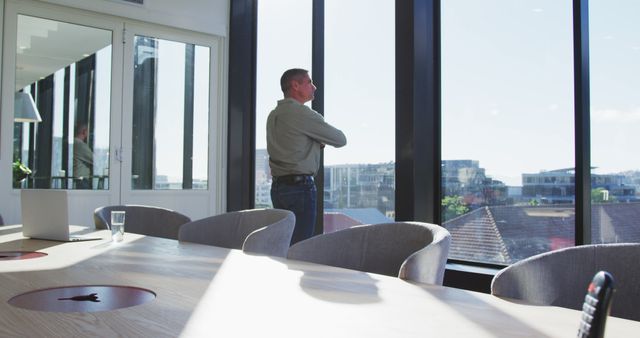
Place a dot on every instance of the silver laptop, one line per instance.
(45, 215)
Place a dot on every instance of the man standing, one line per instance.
(82, 158)
(295, 136)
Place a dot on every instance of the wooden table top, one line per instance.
(206, 291)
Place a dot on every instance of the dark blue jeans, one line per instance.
(299, 198)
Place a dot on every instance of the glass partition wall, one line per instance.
(133, 122)
(508, 186)
(62, 105)
(170, 115)
(63, 76)
(359, 99)
(359, 179)
(615, 120)
(513, 147)
(279, 47)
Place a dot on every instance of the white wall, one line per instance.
(206, 16)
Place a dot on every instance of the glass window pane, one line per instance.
(276, 54)
(170, 115)
(359, 179)
(201, 118)
(102, 108)
(63, 72)
(507, 128)
(615, 120)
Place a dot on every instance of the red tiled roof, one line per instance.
(506, 234)
(476, 238)
(334, 221)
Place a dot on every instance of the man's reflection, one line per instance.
(82, 158)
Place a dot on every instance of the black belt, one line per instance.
(293, 179)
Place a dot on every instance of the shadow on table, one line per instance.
(26, 244)
(9, 229)
(160, 259)
(334, 285)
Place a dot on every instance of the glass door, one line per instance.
(170, 105)
(115, 113)
(58, 75)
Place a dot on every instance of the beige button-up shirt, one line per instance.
(295, 134)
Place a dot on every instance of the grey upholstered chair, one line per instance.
(409, 250)
(561, 277)
(142, 219)
(262, 231)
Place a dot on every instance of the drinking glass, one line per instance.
(117, 225)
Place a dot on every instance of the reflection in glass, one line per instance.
(170, 115)
(507, 128)
(615, 120)
(66, 69)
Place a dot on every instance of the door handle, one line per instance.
(119, 154)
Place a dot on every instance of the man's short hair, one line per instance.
(294, 74)
(79, 128)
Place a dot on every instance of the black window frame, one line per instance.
(418, 117)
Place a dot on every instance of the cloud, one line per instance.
(614, 115)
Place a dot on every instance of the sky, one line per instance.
(615, 84)
(169, 137)
(360, 89)
(507, 80)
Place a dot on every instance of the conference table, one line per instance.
(207, 291)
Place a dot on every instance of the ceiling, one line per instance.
(45, 46)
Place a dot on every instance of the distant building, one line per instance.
(550, 187)
(263, 195)
(632, 179)
(558, 186)
(358, 194)
(352, 186)
(200, 184)
(618, 186)
(262, 164)
(465, 178)
(369, 187)
(263, 180)
(164, 182)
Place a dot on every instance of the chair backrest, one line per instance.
(142, 219)
(409, 250)
(261, 231)
(560, 277)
